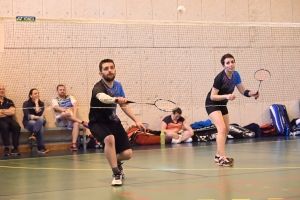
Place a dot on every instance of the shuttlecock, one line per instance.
(181, 9)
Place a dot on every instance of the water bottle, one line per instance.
(287, 131)
(162, 137)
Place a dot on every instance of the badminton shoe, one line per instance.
(224, 163)
(117, 180)
(218, 157)
(121, 169)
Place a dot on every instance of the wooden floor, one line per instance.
(265, 168)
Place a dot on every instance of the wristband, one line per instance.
(246, 93)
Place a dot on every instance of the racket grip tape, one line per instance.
(126, 102)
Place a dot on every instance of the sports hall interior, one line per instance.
(159, 52)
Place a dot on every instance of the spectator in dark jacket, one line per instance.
(34, 120)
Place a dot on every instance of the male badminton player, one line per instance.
(104, 123)
(216, 101)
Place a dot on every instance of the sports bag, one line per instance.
(280, 119)
(268, 130)
(139, 137)
(236, 131)
(204, 134)
(143, 138)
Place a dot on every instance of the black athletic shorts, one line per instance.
(101, 130)
(211, 109)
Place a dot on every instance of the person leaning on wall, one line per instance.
(8, 124)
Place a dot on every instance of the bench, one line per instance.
(81, 129)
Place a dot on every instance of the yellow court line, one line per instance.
(153, 169)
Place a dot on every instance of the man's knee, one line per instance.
(109, 140)
(127, 154)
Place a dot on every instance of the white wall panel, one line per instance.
(28, 8)
(251, 113)
(192, 12)
(139, 10)
(113, 9)
(217, 14)
(259, 11)
(165, 36)
(214, 36)
(164, 10)
(55, 39)
(190, 36)
(86, 35)
(88, 9)
(140, 35)
(236, 10)
(271, 59)
(57, 9)
(281, 11)
(113, 35)
(296, 36)
(238, 36)
(6, 8)
(282, 36)
(296, 11)
(261, 36)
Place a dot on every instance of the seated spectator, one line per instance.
(34, 119)
(177, 128)
(8, 124)
(65, 107)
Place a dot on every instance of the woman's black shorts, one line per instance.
(211, 109)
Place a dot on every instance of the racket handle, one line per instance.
(126, 102)
(256, 94)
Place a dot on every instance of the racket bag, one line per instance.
(268, 130)
(143, 138)
(204, 134)
(236, 131)
(280, 119)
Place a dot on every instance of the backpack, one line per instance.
(268, 130)
(254, 128)
(236, 131)
(280, 119)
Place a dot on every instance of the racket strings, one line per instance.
(262, 75)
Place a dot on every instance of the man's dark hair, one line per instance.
(226, 56)
(105, 61)
(177, 110)
(59, 86)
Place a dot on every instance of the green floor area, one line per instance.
(265, 168)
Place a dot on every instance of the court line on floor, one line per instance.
(148, 169)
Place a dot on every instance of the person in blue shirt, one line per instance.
(216, 101)
(34, 119)
(105, 125)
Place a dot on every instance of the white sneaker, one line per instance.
(188, 140)
(117, 180)
(176, 141)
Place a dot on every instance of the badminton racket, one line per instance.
(161, 104)
(261, 75)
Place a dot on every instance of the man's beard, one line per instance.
(109, 79)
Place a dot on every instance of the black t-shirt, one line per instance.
(6, 104)
(225, 85)
(106, 114)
